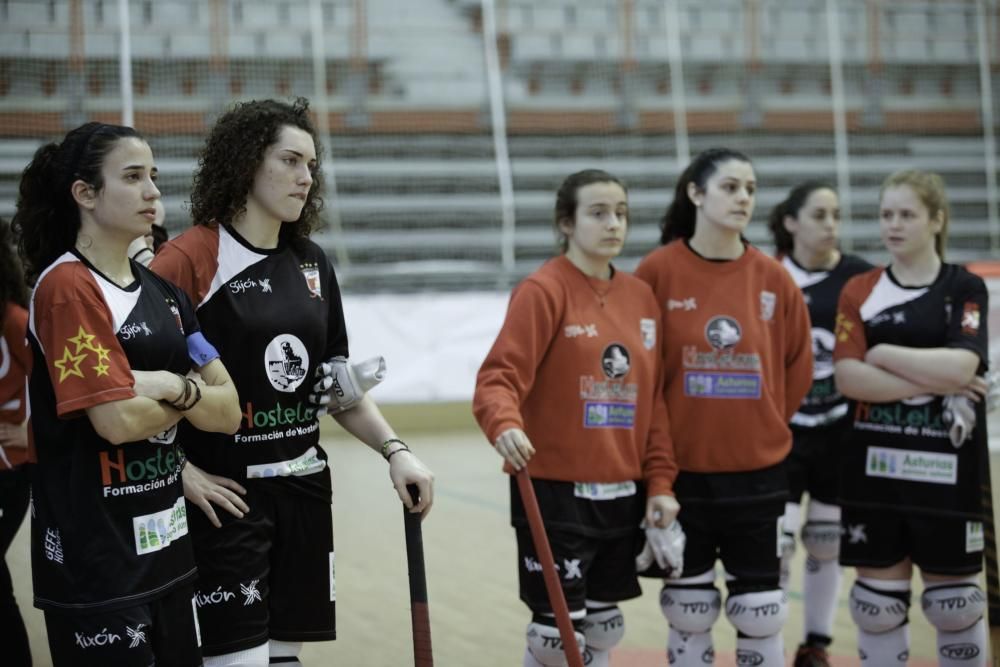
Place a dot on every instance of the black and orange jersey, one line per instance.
(823, 405)
(898, 454)
(109, 524)
(274, 315)
(15, 364)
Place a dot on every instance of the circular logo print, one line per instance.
(286, 361)
(616, 361)
(723, 332)
(823, 342)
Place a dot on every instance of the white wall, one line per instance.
(433, 344)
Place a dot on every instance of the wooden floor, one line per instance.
(476, 616)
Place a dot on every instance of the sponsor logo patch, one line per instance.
(647, 327)
(911, 465)
(608, 415)
(970, 319)
(156, 531)
(604, 490)
(721, 385)
(974, 540)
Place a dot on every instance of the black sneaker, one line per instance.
(810, 655)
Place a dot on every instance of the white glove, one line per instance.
(993, 393)
(960, 417)
(666, 547)
(342, 384)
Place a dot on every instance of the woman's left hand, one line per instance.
(661, 510)
(405, 468)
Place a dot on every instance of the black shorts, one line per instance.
(269, 575)
(589, 569)
(162, 632)
(879, 538)
(813, 464)
(744, 537)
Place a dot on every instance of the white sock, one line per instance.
(884, 648)
(251, 657)
(285, 654)
(687, 649)
(598, 658)
(952, 646)
(820, 586)
(531, 661)
(770, 649)
(790, 528)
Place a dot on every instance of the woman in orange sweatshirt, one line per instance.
(738, 362)
(571, 389)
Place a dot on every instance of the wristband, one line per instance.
(385, 447)
(404, 448)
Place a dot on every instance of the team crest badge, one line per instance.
(311, 273)
(970, 319)
(647, 327)
(767, 301)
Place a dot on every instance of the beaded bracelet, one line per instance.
(189, 397)
(385, 447)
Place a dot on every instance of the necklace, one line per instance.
(601, 293)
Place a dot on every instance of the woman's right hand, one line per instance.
(158, 385)
(204, 489)
(513, 445)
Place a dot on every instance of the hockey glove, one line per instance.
(341, 384)
(666, 547)
(960, 418)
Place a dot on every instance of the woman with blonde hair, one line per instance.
(911, 347)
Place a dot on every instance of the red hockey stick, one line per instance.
(552, 586)
(419, 611)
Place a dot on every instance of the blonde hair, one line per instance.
(929, 188)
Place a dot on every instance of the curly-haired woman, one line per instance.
(118, 362)
(270, 297)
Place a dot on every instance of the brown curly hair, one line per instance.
(235, 150)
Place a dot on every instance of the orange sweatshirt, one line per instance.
(577, 367)
(738, 356)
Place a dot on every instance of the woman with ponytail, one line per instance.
(118, 361)
(737, 362)
(805, 228)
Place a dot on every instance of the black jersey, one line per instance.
(898, 455)
(274, 315)
(109, 527)
(823, 405)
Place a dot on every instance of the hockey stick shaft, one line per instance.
(419, 611)
(990, 558)
(552, 585)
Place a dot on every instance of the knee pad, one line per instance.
(758, 614)
(545, 643)
(603, 628)
(691, 608)
(821, 539)
(878, 611)
(953, 607)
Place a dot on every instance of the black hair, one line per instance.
(678, 222)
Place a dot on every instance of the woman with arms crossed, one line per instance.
(911, 345)
(270, 298)
(736, 341)
(805, 228)
(118, 362)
